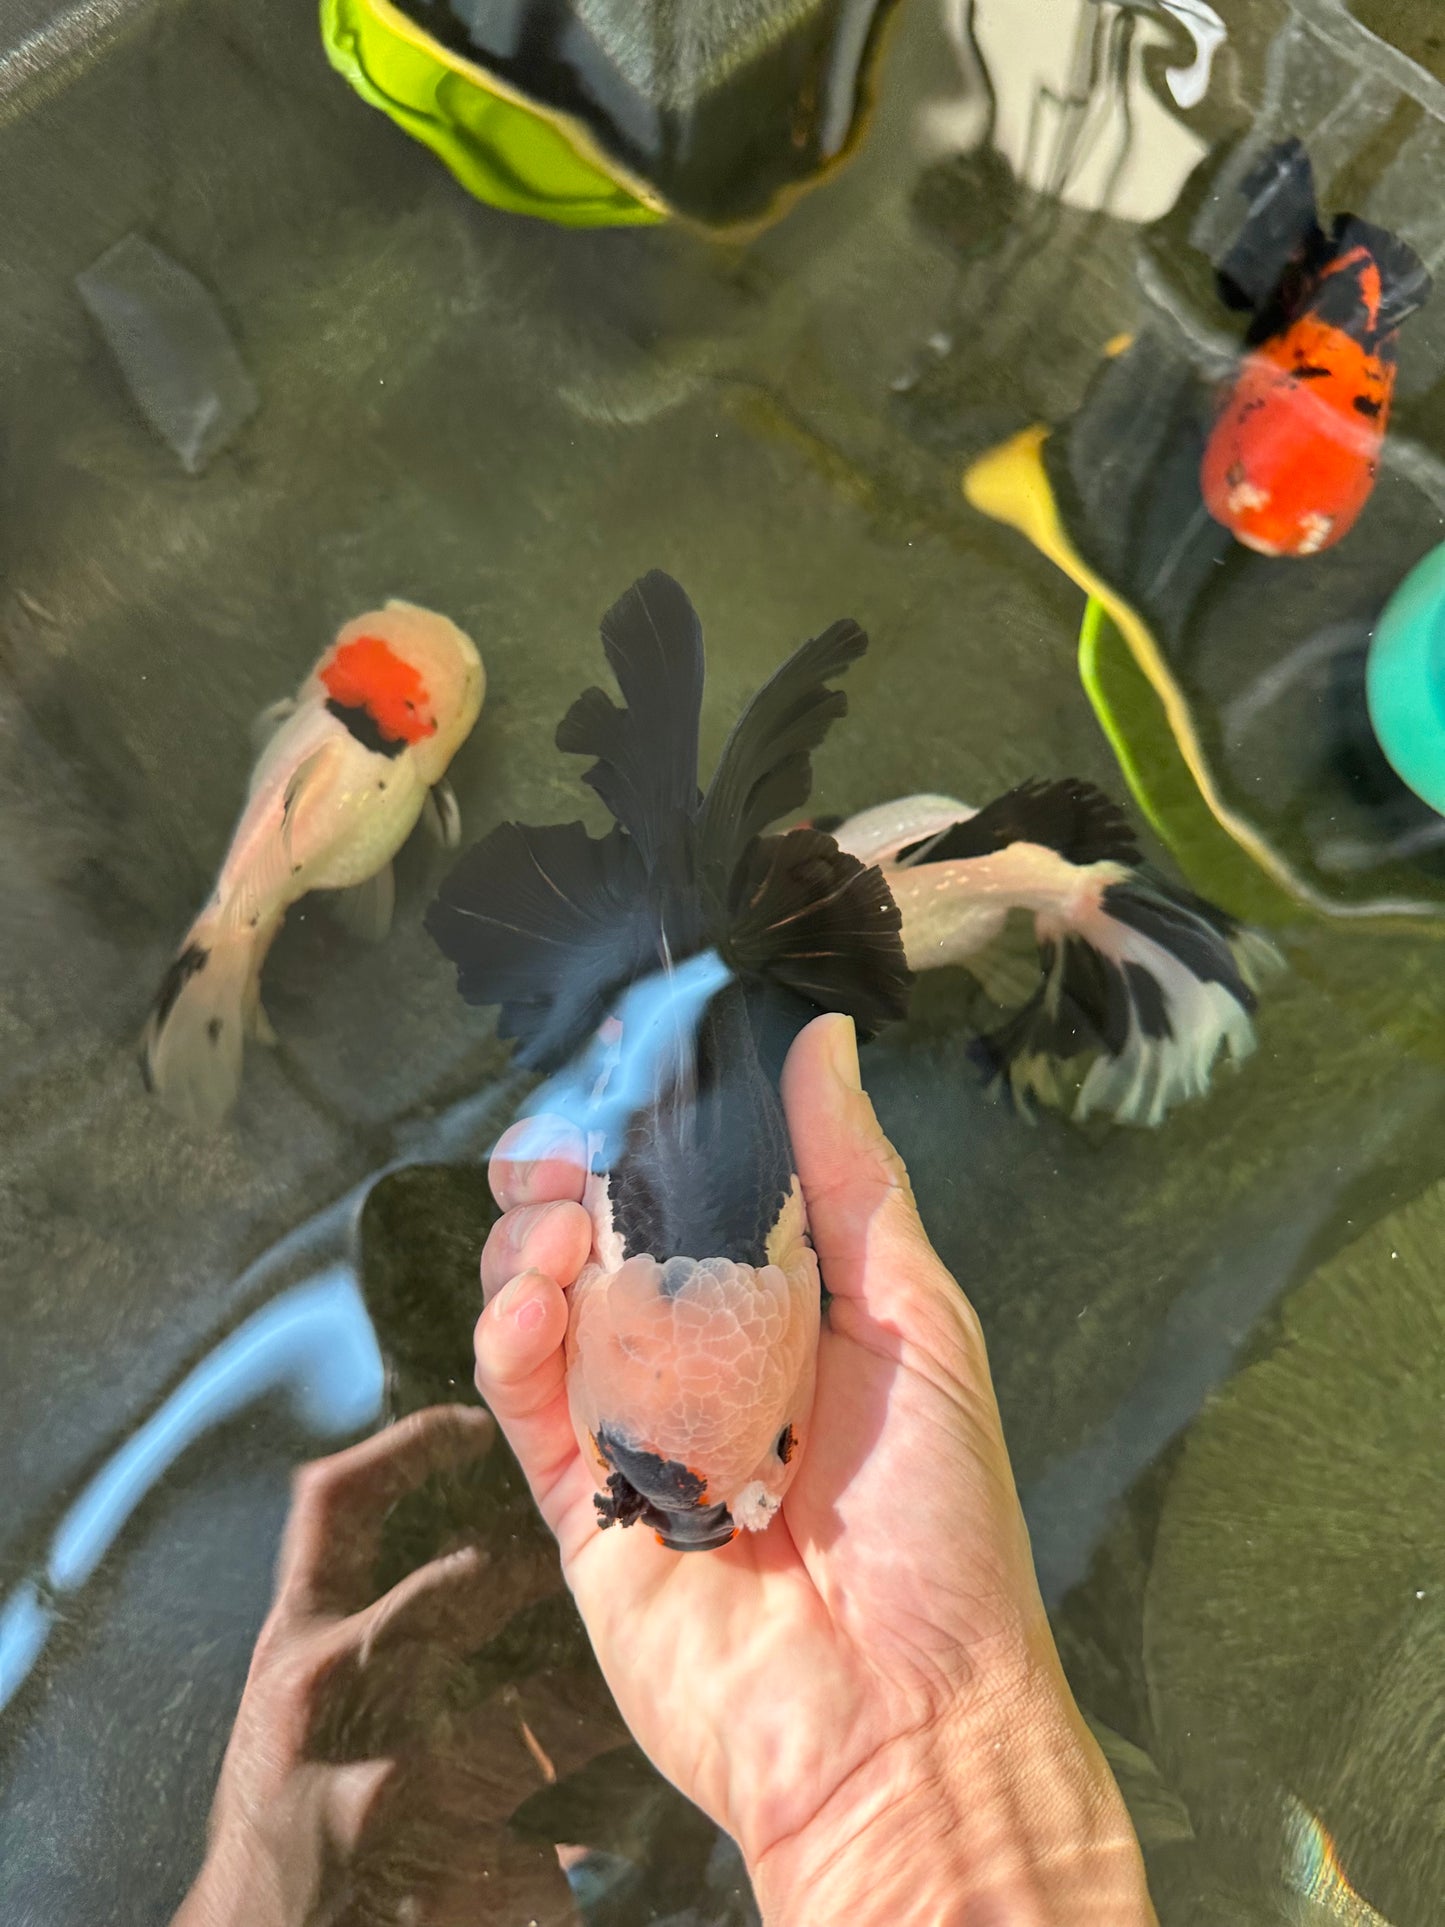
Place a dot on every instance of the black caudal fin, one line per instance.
(1072, 818)
(1281, 231)
(797, 910)
(806, 915)
(1405, 282)
(555, 925)
(548, 923)
(646, 768)
(765, 770)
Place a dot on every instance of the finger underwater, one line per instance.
(340, 1504)
(554, 1239)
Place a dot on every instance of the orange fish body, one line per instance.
(1294, 453)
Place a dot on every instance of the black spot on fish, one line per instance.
(255, 918)
(213, 1030)
(787, 1444)
(1369, 406)
(664, 1482)
(1310, 371)
(185, 966)
(365, 728)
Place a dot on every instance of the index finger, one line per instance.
(539, 1159)
(340, 1504)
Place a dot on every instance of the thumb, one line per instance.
(861, 1212)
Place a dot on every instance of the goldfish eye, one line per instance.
(787, 1444)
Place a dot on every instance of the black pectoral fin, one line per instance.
(1068, 816)
(765, 770)
(646, 768)
(809, 917)
(1281, 228)
(549, 923)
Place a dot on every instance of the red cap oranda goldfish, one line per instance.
(1144, 981)
(1293, 456)
(352, 761)
(660, 972)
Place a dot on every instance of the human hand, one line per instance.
(356, 1774)
(866, 1696)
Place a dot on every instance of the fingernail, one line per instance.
(843, 1052)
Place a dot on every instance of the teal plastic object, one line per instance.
(1405, 680)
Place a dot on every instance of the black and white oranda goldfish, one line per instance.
(353, 760)
(679, 955)
(1142, 981)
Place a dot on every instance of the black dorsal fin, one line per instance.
(765, 769)
(646, 768)
(1068, 816)
(548, 923)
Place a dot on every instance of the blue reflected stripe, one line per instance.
(315, 1340)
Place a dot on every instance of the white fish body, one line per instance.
(332, 798)
(1171, 982)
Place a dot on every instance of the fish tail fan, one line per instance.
(646, 751)
(1281, 228)
(794, 909)
(193, 1044)
(1144, 986)
(1405, 281)
(551, 924)
(805, 915)
(765, 770)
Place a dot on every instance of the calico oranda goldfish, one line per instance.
(679, 955)
(1141, 981)
(353, 760)
(1294, 453)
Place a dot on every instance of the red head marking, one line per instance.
(366, 673)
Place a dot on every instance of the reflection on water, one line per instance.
(1216, 1345)
(314, 1342)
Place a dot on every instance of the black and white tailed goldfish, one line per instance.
(1294, 453)
(1141, 980)
(660, 972)
(353, 760)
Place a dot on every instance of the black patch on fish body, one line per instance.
(365, 728)
(1070, 817)
(706, 1169)
(1370, 406)
(178, 975)
(787, 1444)
(644, 1487)
(1307, 371)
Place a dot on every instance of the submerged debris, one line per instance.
(172, 346)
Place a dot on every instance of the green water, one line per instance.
(1235, 1491)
